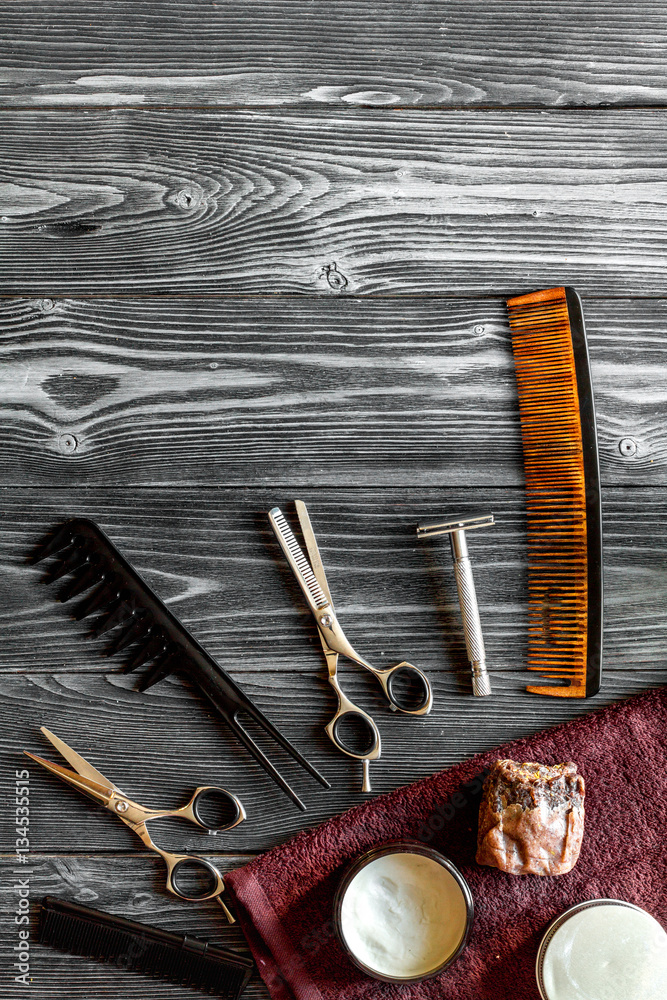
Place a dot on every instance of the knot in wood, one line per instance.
(67, 444)
(335, 278)
(627, 447)
(187, 198)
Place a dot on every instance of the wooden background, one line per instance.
(252, 251)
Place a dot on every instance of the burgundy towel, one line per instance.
(284, 898)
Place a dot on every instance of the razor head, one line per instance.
(449, 527)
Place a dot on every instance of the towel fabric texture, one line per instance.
(284, 898)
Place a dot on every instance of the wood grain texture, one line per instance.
(131, 887)
(212, 556)
(272, 281)
(160, 746)
(268, 52)
(303, 392)
(400, 202)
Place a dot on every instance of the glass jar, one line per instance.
(603, 947)
(362, 889)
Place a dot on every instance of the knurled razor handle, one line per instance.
(472, 626)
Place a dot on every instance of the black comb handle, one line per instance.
(131, 606)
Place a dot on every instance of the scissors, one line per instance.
(415, 699)
(179, 866)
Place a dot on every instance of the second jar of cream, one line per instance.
(403, 912)
(603, 949)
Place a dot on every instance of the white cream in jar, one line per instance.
(604, 950)
(403, 915)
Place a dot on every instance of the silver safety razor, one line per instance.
(465, 585)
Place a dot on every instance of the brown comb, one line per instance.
(563, 491)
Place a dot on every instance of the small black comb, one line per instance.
(128, 944)
(137, 617)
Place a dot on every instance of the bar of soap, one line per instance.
(531, 819)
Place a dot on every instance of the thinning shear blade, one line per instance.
(313, 551)
(313, 583)
(312, 548)
(311, 577)
(302, 569)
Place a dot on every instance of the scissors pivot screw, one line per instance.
(92, 783)
(311, 577)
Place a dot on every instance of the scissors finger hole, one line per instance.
(194, 878)
(408, 689)
(355, 734)
(216, 809)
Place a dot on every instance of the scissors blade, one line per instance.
(101, 793)
(299, 565)
(312, 548)
(79, 763)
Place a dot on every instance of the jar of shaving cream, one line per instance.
(603, 949)
(403, 912)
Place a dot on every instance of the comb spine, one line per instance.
(582, 369)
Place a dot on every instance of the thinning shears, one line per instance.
(405, 686)
(188, 876)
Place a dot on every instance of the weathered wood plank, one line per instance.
(212, 556)
(400, 202)
(414, 396)
(324, 391)
(554, 52)
(131, 887)
(160, 746)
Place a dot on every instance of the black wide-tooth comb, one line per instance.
(137, 616)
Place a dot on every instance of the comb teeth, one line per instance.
(562, 491)
(156, 645)
(80, 583)
(73, 560)
(103, 594)
(120, 585)
(138, 628)
(116, 612)
(130, 945)
(161, 668)
(75, 551)
(62, 539)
